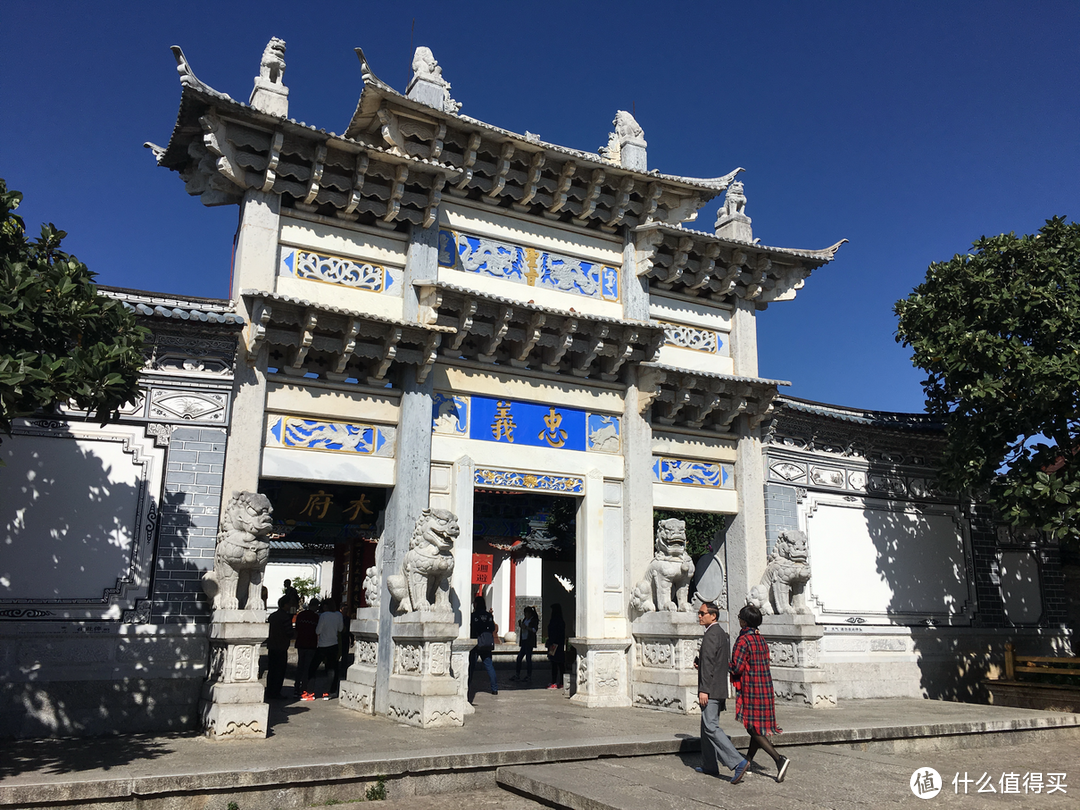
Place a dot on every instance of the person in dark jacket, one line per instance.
(482, 628)
(556, 643)
(755, 704)
(529, 626)
(713, 663)
(277, 649)
(307, 644)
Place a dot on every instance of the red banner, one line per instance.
(483, 567)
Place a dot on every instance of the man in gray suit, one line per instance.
(712, 694)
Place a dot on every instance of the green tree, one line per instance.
(59, 340)
(998, 333)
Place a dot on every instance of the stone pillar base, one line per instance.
(424, 688)
(794, 643)
(357, 690)
(232, 706)
(664, 676)
(602, 674)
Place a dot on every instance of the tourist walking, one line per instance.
(712, 665)
(482, 628)
(556, 646)
(329, 628)
(528, 626)
(307, 645)
(755, 704)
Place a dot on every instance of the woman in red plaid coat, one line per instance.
(755, 706)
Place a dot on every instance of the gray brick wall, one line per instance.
(190, 507)
(780, 512)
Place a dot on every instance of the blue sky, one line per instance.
(910, 129)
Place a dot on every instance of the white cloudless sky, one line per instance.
(910, 129)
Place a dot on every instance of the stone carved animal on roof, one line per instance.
(783, 585)
(424, 581)
(666, 585)
(272, 64)
(426, 67)
(627, 129)
(241, 553)
(734, 201)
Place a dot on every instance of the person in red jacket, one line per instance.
(755, 705)
(307, 643)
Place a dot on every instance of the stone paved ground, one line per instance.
(835, 777)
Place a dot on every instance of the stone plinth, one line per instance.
(357, 690)
(232, 706)
(602, 674)
(425, 689)
(794, 643)
(664, 676)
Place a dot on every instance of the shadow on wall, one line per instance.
(81, 543)
(931, 556)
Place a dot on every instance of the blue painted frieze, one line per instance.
(535, 268)
(342, 437)
(510, 479)
(693, 473)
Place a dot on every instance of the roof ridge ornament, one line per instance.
(626, 146)
(187, 75)
(731, 220)
(427, 85)
(270, 95)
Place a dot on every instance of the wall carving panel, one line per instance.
(329, 269)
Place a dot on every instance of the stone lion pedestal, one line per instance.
(794, 642)
(232, 706)
(357, 690)
(601, 678)
(425, 689)
(664, 677)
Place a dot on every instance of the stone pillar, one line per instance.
(232, 706)
(637, 484)
(462, 495)
(665, 647)
(745, 538)
(423, 689)
(357, 690)
(794, 644)
(413, 459)
(745, 543)
(254, 267)
(602, 675)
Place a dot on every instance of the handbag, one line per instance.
(486, 639)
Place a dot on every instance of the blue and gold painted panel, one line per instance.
(450, 415)
(529, 266)
(692, 472)
(538, 482)
(532, 424)
(328, 269)
(341, 437)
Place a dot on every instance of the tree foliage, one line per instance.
(998, 333)
(59, 340)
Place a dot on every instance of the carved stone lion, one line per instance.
(372, 591)
(272, 64)
(424, 581)
(666, 585)
(783, 585)
(240, 556)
